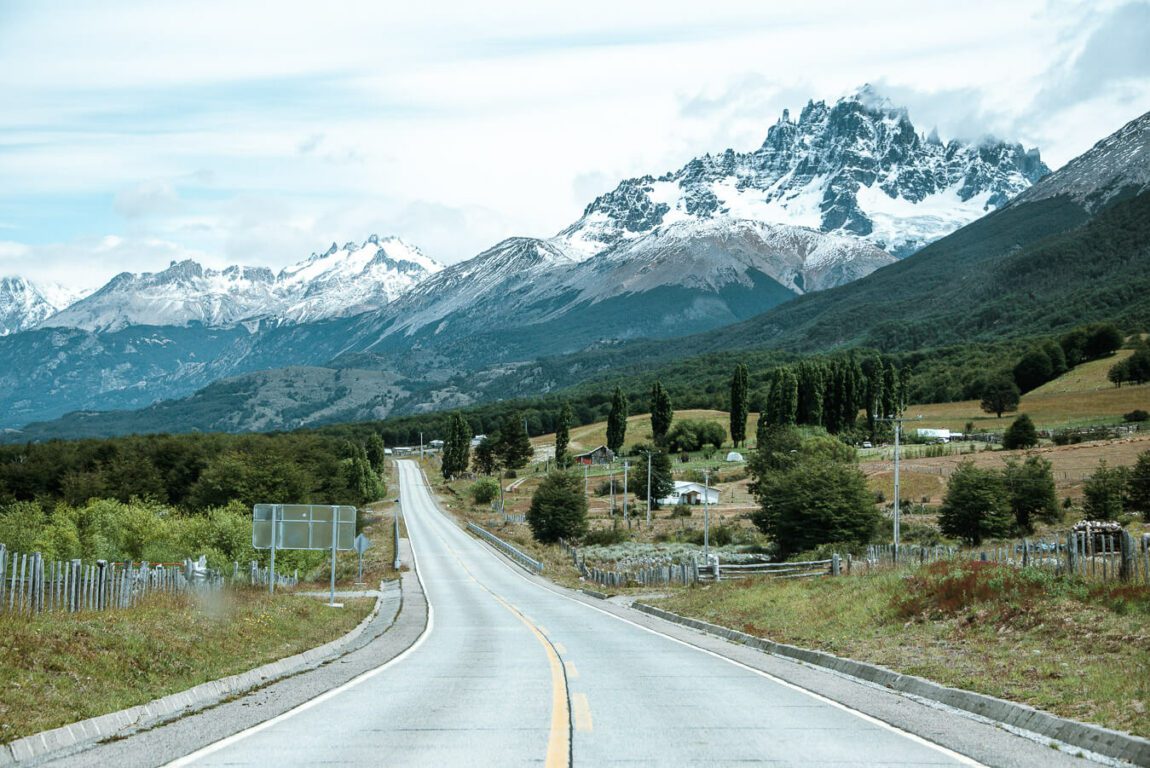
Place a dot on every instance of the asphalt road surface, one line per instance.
(512, 672)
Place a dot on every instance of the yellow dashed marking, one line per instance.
(581, 708)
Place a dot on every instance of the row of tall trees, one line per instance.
(831, 393)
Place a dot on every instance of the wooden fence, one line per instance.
(29, 584)
(1092, 555)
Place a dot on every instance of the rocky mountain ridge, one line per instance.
(858, 166)
(340, 282)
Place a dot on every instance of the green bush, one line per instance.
(558, 508)
(484, 491)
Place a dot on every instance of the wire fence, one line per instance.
(29, 584)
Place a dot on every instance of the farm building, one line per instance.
(690, 493)
(600, 455)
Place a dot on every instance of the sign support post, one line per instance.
(272, 568)
(334, 542)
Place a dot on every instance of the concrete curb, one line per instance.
(594, 594)
(41, 745)
(1095, 738)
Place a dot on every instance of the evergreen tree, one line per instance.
(1138, 486)
(562, 436)
(514, 448)
(1020, 434)
(999, 395)
(661, 413)
(1105, 492)
(976, 505)
(1030, 486)
(739, 407)
(617, 421)
(486, 457)
(558, 508)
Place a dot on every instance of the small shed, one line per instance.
(690, 493)
(600, 455)
(735, 456)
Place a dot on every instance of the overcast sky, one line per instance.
(231, 131)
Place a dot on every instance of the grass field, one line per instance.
(1077, 651)
(59, 668)
(591, 436)
(1080, 397)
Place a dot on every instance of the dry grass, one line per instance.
(1081, 396)
(59, 668)
(1077, 651)
(591, 436)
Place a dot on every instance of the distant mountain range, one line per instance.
(826, 200)
(340, 282)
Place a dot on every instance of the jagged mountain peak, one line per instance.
(338, 282)
(856, 166)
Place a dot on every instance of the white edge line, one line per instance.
(817, 696)
(333, 692)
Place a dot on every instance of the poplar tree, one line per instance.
(562, 435)
(617, 421)
(457, 447)
(739, 407)
(661, 413)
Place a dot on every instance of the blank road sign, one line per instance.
(303, 526)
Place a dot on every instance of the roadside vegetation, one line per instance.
(59, 668)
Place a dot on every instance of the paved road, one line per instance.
(511, 672)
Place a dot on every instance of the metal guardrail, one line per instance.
(507, 549)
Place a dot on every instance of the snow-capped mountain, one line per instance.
(858, 167)
(682, 277)
(1117, 165)
(337, 283)
(24, 304)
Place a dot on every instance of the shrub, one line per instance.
(558, 508)
(484, 491)
(1020, 434)
(1136, 415)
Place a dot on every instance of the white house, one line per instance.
(690, 493)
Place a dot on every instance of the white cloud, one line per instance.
(240, 135)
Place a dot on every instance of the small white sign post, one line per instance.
(361, 544)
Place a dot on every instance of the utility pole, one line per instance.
(648, 489)
(421, 446)
(897, 421)
(706, 514)
(626, 518)
(612, 489)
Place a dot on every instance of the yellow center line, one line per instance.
(559, 738)
(572, 673)
(560, 649)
